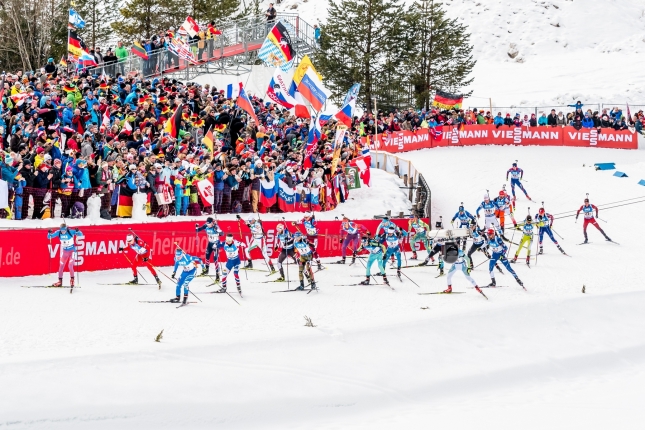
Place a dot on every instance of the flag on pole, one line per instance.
(63, 62)
(86, 60)
(76, 20)
(75, 44)
(313, 90)
(352, 94)
(312, 143)
(207, 140)
(277, 50)
(244, 103)
(346, 113)
(174, 122)
(447, 101)
(139, 50)
(191, 27)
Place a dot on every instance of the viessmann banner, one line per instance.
(28, 252)
(403, 141)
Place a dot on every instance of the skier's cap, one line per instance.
(461, 208)
(129, 237)
(586, 200)
(209, 220)
(490, 231)
(391, 230)
(486, 197)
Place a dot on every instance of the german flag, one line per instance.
(279, 36)
(75, 44)
(174, 122)
(444, 100)
(208, 141)
(139, 50)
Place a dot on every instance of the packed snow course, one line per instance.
(550, 357)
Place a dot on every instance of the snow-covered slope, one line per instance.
(563, 50)
(551, 357)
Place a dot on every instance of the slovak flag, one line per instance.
(286, 197)
(345, 114)
(268, 193)
(190, 26)
(245, 104)
(312, 89)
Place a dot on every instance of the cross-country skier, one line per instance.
(384, 225)
(527, 239)
(231, 248)
(305, 255)
(465, 219)
(504, 207)
(516, 176)
(420, 231)
(142, 257)
(544, 221)
(479, 243)
(376, 250)
(68, 251)
(588, 210)
(462, 263)
(393, 247)
(498, 249)
(257, 231)
(284, 240)
(489, 209)
(436, 249)
(214, 233)
(309, 222)
(349, 232)
(189, 266)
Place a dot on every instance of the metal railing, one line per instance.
(537, 110)
(238, 43)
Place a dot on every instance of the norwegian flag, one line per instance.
(437, 132)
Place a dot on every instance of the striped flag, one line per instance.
(139, 50)
(244, 103)
(232, 91)
(313, 90)
(277, 50)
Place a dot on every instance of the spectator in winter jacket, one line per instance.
(552, 119)
(587, 122)
(577, 123)
(561, 119)
(68, 114)
(508, 121)
(499, 120)
(621, 125)
(533, 121)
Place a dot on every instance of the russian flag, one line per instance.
(232, 91)
(245, 104)
(313, 90)
(86, 60)
(345, 114)
(267, 193)
(286, 197)
(324, 119)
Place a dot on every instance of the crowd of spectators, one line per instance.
(578, 118)
(67, 137)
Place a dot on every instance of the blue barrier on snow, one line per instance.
(605, 166)
(641, 182)
(620, 174)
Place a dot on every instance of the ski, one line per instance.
(584, 243)
(400, 279)
(351, 285)
(613, 242)
(491, 286)
(182, 305)
(441, 292)
(48, 286)
(272, 273)
(419, 265)
(124, 283)
(440, 275)
(275, 280)
(158, 301)
(311, 289)
(291, 291)
(255, 270)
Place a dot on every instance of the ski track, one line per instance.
(551, 357)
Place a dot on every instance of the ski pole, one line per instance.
(410, 279)
(558, 234)
(537, 250)
(239, 226)
(601, 219)
(138, 273)
(488, 259)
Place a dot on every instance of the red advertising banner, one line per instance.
(403, 141)
(28, 252)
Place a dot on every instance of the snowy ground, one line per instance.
(564, 50)
(384, 194)
(551, 357)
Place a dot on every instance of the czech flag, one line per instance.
(244, 103)
(286, 197)
(268, 193)
(312, 89)
(345, 114)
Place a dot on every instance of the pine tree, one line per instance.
(442, 55)
(204, 11)
(98, 17)
(364, 41)
(143, 18)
